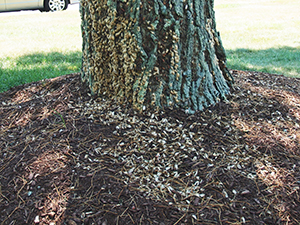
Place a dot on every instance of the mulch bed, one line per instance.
(70, 158)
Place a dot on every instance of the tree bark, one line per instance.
(154, 53)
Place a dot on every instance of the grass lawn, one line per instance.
(37, 45)
(261, 35)
(257, 35)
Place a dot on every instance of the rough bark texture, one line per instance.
(154, 53)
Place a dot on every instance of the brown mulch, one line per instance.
(70, 158)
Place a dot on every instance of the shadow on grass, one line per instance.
(38, 66)
(283, 60)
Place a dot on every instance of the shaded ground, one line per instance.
(69, 158)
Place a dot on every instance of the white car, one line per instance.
(42, 5)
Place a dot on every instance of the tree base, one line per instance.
(154, 54)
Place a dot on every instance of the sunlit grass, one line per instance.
(37, 45)
(261, 35)
(24, 33)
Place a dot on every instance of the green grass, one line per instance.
(281, 60)
(257, 35)
(36, 46)
(261, 35)
(38, 66)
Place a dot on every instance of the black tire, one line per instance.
(55, 5)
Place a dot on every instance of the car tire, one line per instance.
(55, 5)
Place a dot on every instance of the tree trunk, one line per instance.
(154, 53)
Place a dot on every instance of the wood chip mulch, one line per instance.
(70, 158)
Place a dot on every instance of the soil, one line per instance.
(71, 158)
